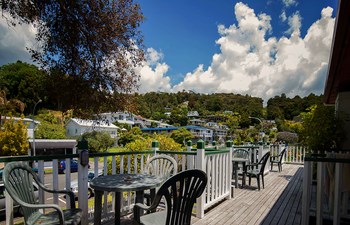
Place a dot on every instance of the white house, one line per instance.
(28, 122)
(120, 117)
(77, 127)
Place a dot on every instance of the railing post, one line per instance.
(155, 146)
(200, 164)
(83, 179)
(229, 145)
(319, 193)
(9, 208)
(305, 216)
(189, 158)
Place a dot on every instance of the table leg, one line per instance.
(236, 174)
(244, 175)
(139, 199)
(98, 207)
(117, 206)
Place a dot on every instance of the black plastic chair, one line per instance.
(180, 192)
(278, 159)
(257, 170)
(18, 180)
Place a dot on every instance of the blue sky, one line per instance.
(249, 47)
(185, 30)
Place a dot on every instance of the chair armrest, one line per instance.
(43, 206)
(67, 192)
(274, 157)
(137, 209)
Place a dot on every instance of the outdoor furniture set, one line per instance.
(180, 192)
(241, 156)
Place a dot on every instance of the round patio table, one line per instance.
(237, 161)
(120, 183)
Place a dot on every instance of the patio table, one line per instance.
(236, 162)
(120, 183)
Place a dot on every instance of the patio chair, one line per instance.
(278, 159)
(241, 153)
(162, 166)
(257, 170)
(18, 180)
(180, 192)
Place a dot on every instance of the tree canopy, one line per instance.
(97, 43)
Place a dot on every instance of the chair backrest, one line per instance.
(18, 180)
(180, 192)
(282, 154)
(263, 161)
(162, 166)
(240, 153)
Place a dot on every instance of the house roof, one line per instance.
(93, 123)
(338, 78)
(53, 143)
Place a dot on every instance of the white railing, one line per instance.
(331, 173)
(216, 163)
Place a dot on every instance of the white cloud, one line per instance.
(283, 16)
(153, 73)
(288, 3)
(250, 63)
(14, 41)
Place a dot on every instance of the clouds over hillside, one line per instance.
(252, 61)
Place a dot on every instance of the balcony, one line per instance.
(279, 203)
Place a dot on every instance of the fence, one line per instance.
(327, 175)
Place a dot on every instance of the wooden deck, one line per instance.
(278, 203)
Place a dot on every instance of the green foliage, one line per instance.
(51, 126)
(322, 131)
(47, 130)
(24, 82)
(129, 136)
(287, 137)
(179, 116)
(13, 138)
(281, 107)
(98, 141)
(181, 136)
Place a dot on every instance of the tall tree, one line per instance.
(96, 42)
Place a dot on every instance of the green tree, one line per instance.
(98, 42)
(47, 130)
(322, 130)
(181, 136)
(13, 138)
(98, 141)
(24, 82)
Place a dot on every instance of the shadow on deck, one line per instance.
(278, 203)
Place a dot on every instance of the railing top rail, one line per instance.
(216, 152)
(329, 157)
(177, 153)
(245, 146)
(41, 157)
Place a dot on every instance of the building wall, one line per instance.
(343, 109)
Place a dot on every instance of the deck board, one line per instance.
(278, 203)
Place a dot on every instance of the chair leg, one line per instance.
(271, 165)
(262, 179)
(250, 179)
(258, 180)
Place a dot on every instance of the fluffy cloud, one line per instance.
(14, 41)
(153, 73)
(250, 63)
(288, 3)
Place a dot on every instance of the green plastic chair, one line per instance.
(18, 180)
(278, 160)
(257, 170)
(180, 192)
(162, 166)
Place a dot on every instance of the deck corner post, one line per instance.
(200, 164)
(229, 145)
(306, 193)
(189, 158)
